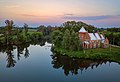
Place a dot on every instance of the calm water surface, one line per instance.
(37, 64)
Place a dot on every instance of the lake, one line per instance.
(35, 63)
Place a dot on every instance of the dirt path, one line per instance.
(115, 46)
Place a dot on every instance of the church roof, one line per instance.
(92, 36)
(102, 37)
(97, 36)
(82, 30)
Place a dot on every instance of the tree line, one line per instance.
(114, 38)
(113, 34)
(10, 34)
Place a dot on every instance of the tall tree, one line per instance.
(75, 42)
(57, 37)
(9, 26)
(26, 28)
(66, 39)
(42, 29)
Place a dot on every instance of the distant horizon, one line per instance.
(99, 13)
(53, 25)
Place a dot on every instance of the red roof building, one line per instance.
(92, 40)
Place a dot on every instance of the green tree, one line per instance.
(26, 28)
(57, 37)
(77, 25)
(66, 39)
(9, 26)
(75, 42)
(42, 29)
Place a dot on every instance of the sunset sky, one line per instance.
(100, 13)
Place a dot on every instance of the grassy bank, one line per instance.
(112, 54)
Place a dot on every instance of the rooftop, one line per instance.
(97, 36)
(82, 30)
(92, 37)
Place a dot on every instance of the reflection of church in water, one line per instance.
(74, 65)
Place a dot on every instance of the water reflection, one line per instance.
(72, 65)
(21, 50)
(9, 50)
(10, 57)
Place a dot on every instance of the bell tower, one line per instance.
(83, 34)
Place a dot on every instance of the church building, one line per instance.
(92, 40)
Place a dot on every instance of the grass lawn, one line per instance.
(112, 54)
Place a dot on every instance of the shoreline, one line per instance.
(93, 54)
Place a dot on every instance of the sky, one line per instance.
(100, 13)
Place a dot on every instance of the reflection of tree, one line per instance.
(9, 50)
(73, 65)
(20, 49)
(26, 53)
(10, 56)
(11, 61)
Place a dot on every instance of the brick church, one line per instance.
(92, 40)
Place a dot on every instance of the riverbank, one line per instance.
(110, 54)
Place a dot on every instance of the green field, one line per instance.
(111, 54)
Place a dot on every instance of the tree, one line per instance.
(26, 28)
(77, 25)
(42, 29)
(18, 37)
(9, 26)
(75, 42)
(66, 39)
(111, 38)
(57, 38)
